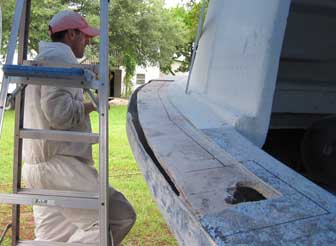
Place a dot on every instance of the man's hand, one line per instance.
(89, 107)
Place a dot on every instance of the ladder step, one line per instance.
(94, 84)
(60, 193)
(56, 135)
(50, 200)
(92, 67)
(43, 72)
(53, 76)
(46, 243)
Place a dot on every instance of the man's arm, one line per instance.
(60, 107)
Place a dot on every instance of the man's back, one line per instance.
(57, 108)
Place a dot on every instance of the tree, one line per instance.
(41, 12)
(189, 14)
(141, 32)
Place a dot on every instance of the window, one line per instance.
(140, 78)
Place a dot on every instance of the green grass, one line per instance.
(150, 228)
(6, 148)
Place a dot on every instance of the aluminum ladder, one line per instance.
(79, 77)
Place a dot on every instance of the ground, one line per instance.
(150, 228)
(119, 101)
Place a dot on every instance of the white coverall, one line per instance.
(58, 165)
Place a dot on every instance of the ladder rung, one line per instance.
(56, 135)
(94, 84)
(92, 67)
(60, 193)
(46, 243)
(48, 200)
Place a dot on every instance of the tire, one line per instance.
(10, 103)
(318, 151)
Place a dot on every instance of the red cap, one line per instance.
(67, 19)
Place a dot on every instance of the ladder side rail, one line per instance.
(19, 112)
(17, 20)
(103, 127)
(19, 9)
(0, 32)
(24, 33)
(17, 170)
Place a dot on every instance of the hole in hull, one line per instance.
(240, 194)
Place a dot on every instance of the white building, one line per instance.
(141, 76)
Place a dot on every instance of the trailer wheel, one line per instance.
(318, 151)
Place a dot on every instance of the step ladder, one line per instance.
(80, 77)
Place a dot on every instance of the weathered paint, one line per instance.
(205, 165)
(202, 146)
(183, 223)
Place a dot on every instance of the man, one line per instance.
(63, 165)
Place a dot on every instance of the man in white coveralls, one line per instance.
(59, 165)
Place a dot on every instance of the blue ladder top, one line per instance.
(44, 72)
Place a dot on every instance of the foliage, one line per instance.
(0, 26)
(189, 15)
(141, 31)
(130, 64)
(145, 31)
(40, 14)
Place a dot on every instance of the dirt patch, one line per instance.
(118, 101)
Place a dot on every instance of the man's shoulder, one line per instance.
(56, 53)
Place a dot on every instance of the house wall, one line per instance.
(150, 72)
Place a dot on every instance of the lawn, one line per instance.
(150, 228)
